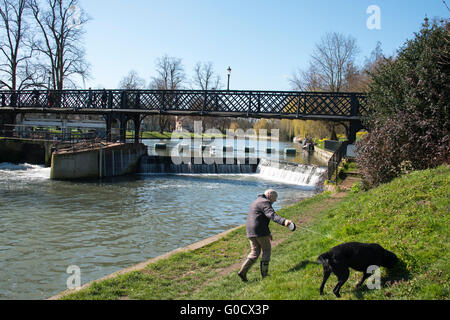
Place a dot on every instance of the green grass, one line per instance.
(347, 168)
(320, 143)
(409, 216)
(151, 135)
(168, 135)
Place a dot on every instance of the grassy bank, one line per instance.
(168, 135)
(408, 216)
(320, 143)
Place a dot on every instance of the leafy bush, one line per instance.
(408, 102)
(356, 188)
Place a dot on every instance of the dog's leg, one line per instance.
(326, 275)
(365, 276)
(342, 273)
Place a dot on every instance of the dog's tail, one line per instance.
(323, 259)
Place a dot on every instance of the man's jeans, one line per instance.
(260, 243)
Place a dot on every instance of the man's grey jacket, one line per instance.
(259, 216)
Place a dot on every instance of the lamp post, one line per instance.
(49, 76)
(229, 73)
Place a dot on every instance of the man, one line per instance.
(35, 95)
(259, 216)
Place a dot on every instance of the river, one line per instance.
(104, 226)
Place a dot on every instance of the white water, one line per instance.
(23, 172)
(291, 173)
(162, 168)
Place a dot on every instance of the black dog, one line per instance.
(359, 256)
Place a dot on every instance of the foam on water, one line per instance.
(23, 171)
(290, 173)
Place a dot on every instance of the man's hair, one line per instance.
(270, 192)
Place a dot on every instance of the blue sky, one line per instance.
(263, 41)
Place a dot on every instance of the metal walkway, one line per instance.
(221, 103)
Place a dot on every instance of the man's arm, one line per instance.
(270, 213)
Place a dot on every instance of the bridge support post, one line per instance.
(7, 122)
(20, 129)
(137, 128)
(108, 119)
(137, 119)
(355, 126)
(123, 128)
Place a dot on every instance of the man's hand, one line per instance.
(287, 222)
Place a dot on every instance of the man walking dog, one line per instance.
(259, 216)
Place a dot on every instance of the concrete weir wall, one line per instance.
(323, 154)
(25, 151)
(200, 165)
(107, 161)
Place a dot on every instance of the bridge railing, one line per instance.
(290, 104)
(48, 135)
(68, 137)
(335, 160)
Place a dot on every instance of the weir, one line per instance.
(292, 173)
(166, 165)
(278, 171)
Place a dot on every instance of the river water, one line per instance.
(104, 226)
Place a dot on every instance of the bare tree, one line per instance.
(306, 80)
(376, 56)
(332, 64)
(170, 76)
(332, 68)
(15, 49)
(361, 81)
(205, 77)
(132, 81)
(332, 58)
(61, 25)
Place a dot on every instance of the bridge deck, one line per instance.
(182, 113)
(256, 104)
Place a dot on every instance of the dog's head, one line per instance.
(389, 259)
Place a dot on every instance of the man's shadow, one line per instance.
(302, 265)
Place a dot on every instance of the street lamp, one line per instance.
(229, 73)
(49, 76)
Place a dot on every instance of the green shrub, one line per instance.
(408, 102)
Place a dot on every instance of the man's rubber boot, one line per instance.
(244, 269)
(264, 268)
